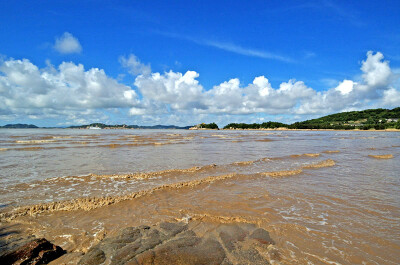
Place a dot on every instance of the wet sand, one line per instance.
(318, 194)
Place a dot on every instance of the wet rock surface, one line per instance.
(37, 251)
(180, 243)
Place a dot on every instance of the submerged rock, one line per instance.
(179, 243)
(38, 251)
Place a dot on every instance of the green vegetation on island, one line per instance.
(212, 125)
(205, 126)
(378, 119)
(104, 126)
(264, 125)
(124, 126)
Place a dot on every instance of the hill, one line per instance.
(378, 119)
(19, 126)
(366, 119)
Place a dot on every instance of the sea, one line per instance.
(325, 197)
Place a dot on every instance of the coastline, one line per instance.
(205, 129)
(287, 129)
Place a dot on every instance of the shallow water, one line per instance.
(327, 197)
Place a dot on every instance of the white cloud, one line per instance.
(230, 47)
(374, 90)
(75, 94)
(345, 87)
(67, 43)
(230, 97)
(134, 66)
(391, 97)
(181, 91)
(136, 111)
(27, 90)
(376, 73)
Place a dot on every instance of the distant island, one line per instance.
(19, 126)
(124, 126)
(96, 126)
(376, 119)
(205, 126)
(264, 125)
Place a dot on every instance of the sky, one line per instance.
(185, 62)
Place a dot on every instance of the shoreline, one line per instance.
(237, 129)
(206, 129)
(287, 129)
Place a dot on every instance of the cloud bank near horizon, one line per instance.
(71, 93)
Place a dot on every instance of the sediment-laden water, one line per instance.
(326, 197)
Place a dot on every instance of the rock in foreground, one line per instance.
(38, 251)
(177, 243)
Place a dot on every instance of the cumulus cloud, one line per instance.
(67, 43)
(71, 92)
(345, 87)
(391, 97)
(376, 72)
(259, 96)
(375, 89)
(182, 92)
(26, 89)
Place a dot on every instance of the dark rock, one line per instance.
(250, 256)
(172, 228)
(178, 243)
(228, 241)
(262, 236)
(38, 251)
(93, 256)
(231, 235)
(184, 250)
(70, 258)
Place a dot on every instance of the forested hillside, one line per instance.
(365, 119)
(378, 119)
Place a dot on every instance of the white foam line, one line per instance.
(326, 260)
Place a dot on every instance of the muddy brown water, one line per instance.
(326, 197)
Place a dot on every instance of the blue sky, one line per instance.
(184, 62)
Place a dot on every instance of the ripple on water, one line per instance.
(319, 210)
(388, 156)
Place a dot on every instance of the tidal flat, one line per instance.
(317, 197)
